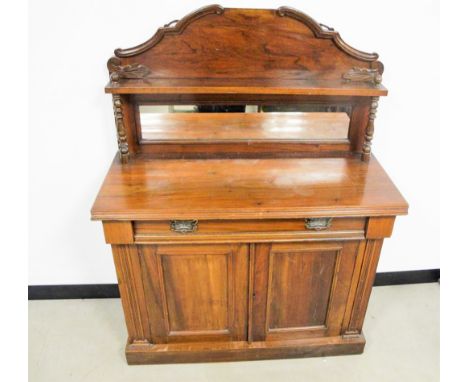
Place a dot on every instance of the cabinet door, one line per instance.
(300, 289)
(196, 292)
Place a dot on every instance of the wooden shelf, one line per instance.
(246, 86)
(212, 127)
(149, 189)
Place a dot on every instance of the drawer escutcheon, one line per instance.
(184, 226)
(318, 224)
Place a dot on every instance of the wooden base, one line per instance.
(138, 354)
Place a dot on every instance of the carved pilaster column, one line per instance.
(119, 124)
(366, 148)
(129, 276)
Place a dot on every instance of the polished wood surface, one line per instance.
(245, 55)
(301, 288)
(245, 236)
(141, 354)
(193, 292)
(148, 189)
(274, 86)
(242, 231)
(244, 47)
(197, 127)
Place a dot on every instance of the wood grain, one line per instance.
(237, 43)
(132, 295)
(242, 231)
(243, 351)
(252, 282)
(196, 292)
(251, 86)
(364, 288)
(380, 227)
(291, 274)
(118, 232)
(244, 188)
(301, 289)
(218, 53)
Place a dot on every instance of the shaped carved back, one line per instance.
(219, 43)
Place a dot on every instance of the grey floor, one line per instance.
(83, 340)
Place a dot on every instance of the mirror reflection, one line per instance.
(244, 122)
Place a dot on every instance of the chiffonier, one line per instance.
(245, 210)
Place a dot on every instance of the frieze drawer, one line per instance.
(242, 230)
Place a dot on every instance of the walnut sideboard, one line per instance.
(245, 210)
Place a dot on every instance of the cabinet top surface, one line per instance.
(148, 189)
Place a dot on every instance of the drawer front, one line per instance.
(249, 230)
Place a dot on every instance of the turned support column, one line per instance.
(369, 134)
(119, 124)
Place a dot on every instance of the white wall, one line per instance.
(72, 133)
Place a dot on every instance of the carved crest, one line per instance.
(131, 71)
(201, 45)
(363, 75)
(176, 27)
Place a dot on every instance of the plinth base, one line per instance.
(138, 354)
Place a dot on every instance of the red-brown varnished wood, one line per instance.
(129, 276)
(240, 46)
(118, 232)
(246, 149)
(138, 354)
(241, 231)
(301, 289)
(366, 274)
(128, 113)
(245, 236)
(251, 86)
(239, 55)
(196, 292)
(380, 227)
(245, 188)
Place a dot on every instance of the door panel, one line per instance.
(300, 289)
(192, 304)
(196, 292)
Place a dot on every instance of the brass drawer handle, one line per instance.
(318, 224)
(184, 226)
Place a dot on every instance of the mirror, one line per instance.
(310, 122)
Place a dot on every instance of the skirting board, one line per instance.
(57, 292)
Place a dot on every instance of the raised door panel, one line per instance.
(196, 292)
(301, 289)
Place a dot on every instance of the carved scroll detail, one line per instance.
(327, 28)
(131, 71)
(170, 23)
(363, 75)
(119, 124)
(366, 149)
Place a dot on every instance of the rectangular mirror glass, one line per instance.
(205, 123)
